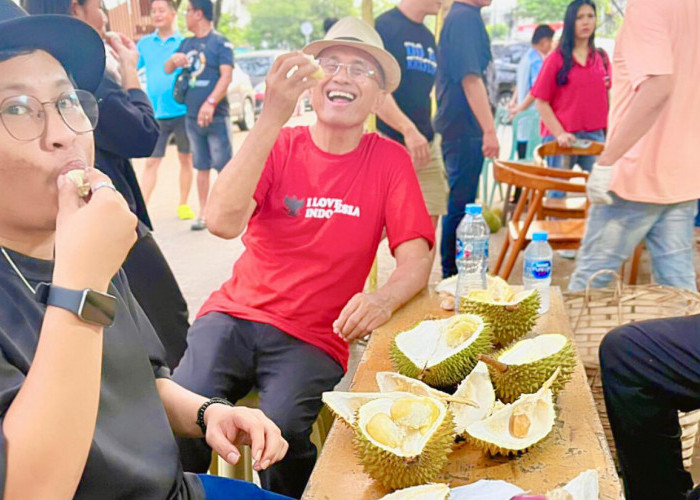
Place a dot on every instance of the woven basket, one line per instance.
(594, 312)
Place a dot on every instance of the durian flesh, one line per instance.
(511, 315)
(407, 451)
(472, 401)
(530, 363)
(441, 352)
(345, 405)
(495, 435)
(436, 491)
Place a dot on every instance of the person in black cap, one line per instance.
(127, 128)
(87, 406)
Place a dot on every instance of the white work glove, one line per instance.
(598, 185)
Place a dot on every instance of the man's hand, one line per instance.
(363, 313)
(598, 185)
(566, 140)
(206, 114)
(229, 426)
(179, 60)
(490, 145)
(93, 239)
(418, 146)
(284, 85)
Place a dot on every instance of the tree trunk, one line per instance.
(217, 12)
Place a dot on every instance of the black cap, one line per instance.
(73, 43)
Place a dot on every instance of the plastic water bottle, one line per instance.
(472, 252)
(537, 268)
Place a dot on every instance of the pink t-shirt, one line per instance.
(660, 38)
(582, 104)
(313, 237)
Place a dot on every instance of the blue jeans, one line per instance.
(463, 162)
(211, 146)
(613, 232)
(223, 488)
(585, 162)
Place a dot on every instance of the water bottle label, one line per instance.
(464, 250)
(538, 269)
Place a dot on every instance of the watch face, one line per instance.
(98, 308)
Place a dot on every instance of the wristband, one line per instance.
(202, 409)
(211, 101)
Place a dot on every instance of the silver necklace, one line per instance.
(16, 270)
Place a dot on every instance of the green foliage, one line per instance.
(543, 10)
(499, 31)
(276, 23)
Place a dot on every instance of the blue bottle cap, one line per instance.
(539, 236)
(472, 208)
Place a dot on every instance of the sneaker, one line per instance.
(184, 212)
(567, 254)
(198, 225)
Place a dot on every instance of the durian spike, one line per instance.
(494, 363)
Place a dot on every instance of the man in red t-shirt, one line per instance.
(316, 201)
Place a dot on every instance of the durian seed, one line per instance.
(519, 425)
(493, 363)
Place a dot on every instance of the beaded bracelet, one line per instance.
(202, 409)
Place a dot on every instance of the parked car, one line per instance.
(257, 65)
(241, 98)
(506, 57)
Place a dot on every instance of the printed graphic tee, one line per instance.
(311, 242)
(205, 55)
(413, 46)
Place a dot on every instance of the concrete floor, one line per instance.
(201, 261)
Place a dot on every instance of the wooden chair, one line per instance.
(564, 234)
(574, 207)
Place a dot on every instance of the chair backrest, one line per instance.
(536, 178)
(554, 149)
(530, 120)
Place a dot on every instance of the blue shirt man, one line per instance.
(528, 69)
(155, 51)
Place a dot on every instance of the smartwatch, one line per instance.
(211, 101)
(89, 305)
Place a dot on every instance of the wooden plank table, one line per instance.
(577, 442)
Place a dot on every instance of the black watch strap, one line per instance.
(89, 305)
(202, 409)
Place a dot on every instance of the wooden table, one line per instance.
(577, 442)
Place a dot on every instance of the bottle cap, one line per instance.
(472, 208)
(539, 236)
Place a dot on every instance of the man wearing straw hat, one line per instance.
(316, 201)
(644, 188)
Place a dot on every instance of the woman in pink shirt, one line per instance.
(572, 88)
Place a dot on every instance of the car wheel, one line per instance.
(248, 119)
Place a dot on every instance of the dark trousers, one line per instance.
(650, 371)
(227, 357)
(463, 163)
(152, 282)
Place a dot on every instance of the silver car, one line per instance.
(241, 98)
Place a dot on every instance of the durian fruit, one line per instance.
(518, 426)
(523, 367)
(403, 442)
(511, 315)
(441, 352)
(472, 401)
(433, 491)
(345, 405)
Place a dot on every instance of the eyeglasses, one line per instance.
(355, 71)
(24, 117)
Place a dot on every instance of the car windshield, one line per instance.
(255, 66)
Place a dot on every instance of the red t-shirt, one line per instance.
(313, 237)
(582, 104)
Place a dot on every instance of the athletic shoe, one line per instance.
(198, 225)
(184, 212)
